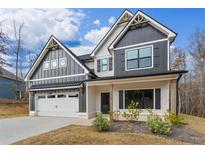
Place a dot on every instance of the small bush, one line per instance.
(116, 115)
(101, 123)
(133, 112)
(174, 119)
(158, 124)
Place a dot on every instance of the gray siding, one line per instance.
(72, 68)
(140, 35)
(160, 61)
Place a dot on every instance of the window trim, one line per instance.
(130, 49)
(101, 68)
(52, 63)
(48, 64)
(64, 58)
(126, 89)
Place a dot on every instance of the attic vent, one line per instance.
(127, 17)
(139, 21)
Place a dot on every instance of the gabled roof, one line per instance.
(85, 57)
(124, 17)
(141, 18)
(45, 50)
(5, 73)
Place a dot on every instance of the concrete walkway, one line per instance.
(15, 129)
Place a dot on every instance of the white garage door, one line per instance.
(59, 104)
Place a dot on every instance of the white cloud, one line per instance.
(39, 24)
(97, 22)
(82, 50)
(95, 35)
(111, 20)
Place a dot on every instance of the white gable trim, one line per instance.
(110, 32)
(160, 27)
(40, 57)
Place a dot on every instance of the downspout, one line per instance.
(177, 90)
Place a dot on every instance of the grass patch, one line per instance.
(196, 123)
(10, 110)
(87, 135)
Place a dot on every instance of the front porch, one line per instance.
(155, 92)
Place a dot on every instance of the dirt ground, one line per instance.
(10, 110)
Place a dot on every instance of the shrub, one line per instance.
(174, 119)
(101, 123)
(133, 112)
(158, 124)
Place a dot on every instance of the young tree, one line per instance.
(17, 47)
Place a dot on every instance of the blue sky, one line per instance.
(82, 29)
(182, 21)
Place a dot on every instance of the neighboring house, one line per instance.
(130, 63)
(8, 89)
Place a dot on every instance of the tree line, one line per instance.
(192, 84)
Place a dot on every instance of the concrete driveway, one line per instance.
(15, 129)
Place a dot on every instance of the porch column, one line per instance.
(111, 101)
(173, 96)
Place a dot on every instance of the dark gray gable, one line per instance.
(138, 35)
(72, 66)
(58, 75)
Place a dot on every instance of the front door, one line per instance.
(105, 103)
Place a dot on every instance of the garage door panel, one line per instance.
(63, 106)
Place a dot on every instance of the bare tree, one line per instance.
(18, 44)
(3, 48)
(16, 48)
(197, 51)
(178, 57)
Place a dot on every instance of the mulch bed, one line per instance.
(183, 133)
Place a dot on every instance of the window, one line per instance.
(61, 96)
(63, 62)
(143, 97)
(139, 58)
(46, 65)
(54, 64)
(42, 97)
(104, 64)
(76, 95)
(51, 96)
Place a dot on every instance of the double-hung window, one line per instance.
(104, 64)
(139, 58)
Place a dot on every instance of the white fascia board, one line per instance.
(160, 27)
(44, 89)
(58, 77)
(42, 55)
(110, 32)
(133, 80)
(37, 61)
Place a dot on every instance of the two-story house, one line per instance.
(130, 63)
